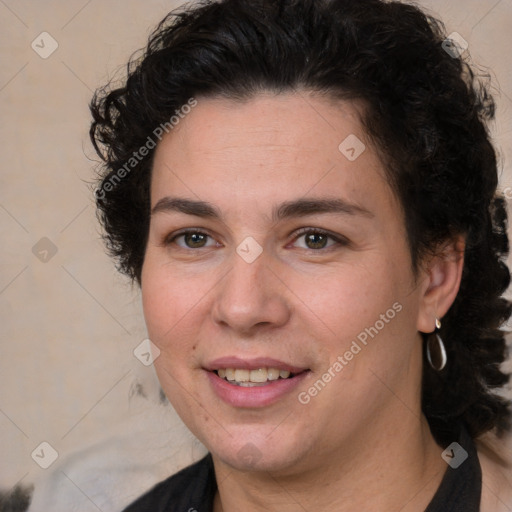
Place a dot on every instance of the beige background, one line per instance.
(69, 325)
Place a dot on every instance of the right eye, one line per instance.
(191, 239)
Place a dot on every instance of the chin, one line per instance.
(250, 453)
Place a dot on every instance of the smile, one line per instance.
(254, 384)
(252, 378)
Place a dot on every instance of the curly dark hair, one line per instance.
(425, 109)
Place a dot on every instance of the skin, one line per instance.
(362, 443)
(495, 457)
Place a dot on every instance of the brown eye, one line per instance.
(315, 239)
(191, 240)
(194, 240)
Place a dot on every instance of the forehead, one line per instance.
(266, 147)
(291, 119)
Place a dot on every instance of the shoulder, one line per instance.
(495, 457)
(190, 488)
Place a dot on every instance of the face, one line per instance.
(277, 282)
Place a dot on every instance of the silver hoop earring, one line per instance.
(436, 353)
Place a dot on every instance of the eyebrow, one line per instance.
(289, 209)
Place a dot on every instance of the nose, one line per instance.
(250, 298)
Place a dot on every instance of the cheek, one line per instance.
(367, 314)
(176, 308)
(170, 298)
(166, 313)
(157, 303)
(349, 298)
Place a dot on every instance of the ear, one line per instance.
(440, 283)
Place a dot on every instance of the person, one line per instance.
(306, 193)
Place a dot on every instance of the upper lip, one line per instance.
(251, 364)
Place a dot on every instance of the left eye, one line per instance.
(315, 240)
(193, 240)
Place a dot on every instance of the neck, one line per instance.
(392, 472)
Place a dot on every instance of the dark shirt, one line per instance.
(193, 488)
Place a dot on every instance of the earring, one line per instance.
(436, 355)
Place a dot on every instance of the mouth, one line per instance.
(254, 378)
(259, 382)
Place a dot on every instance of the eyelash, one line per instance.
(172, 238)
(341, 241)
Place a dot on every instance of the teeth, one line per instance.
(248, 378)
(272, 374)
(242, 375)
(259, 375)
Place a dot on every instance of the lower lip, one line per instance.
(256, 396)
